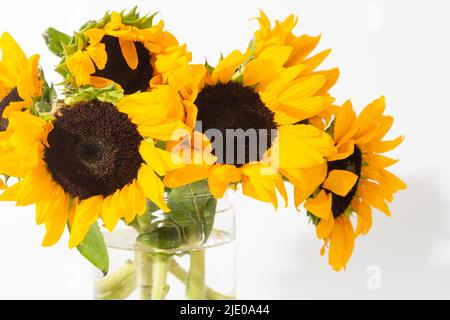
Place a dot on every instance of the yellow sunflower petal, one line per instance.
(11, 193)
(94, 35)
(372, 195)
(186, 175)
(325, 227)
(305, 180)
(313, 62)
(56, 225)
(382, 187)
(377, 132)
(28, 84)
(342, 242)
(146, 107)
(260, 189)
(164, 132)
(392, 182)
(228, 66)
(305, 108)
(320, 206)
(86, 214)
(37, 186)
(370, 115)
(301, 146)
(137, 199)
(364, 217)
(385, 146)
(14, 60)
(129, 52)
(268, 63)
(159, 160)
(345, 117)
(10, 164)
(152, 187)
(303, 46)
(259, 182)
(99, 82)
(81, 66)
(98, 54)
(259, 70)
(191, 113)
(379, 161)
(109, 215)
(344, 151)
(281, 188)
(126, 204)
(340, 182)
(332, 76)
(270, 91)
(220, 177)
(47, 209)
(303, 88)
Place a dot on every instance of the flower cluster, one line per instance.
(138, 120)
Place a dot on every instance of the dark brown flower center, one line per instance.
(117, 69)
(12, 96)
(93, 149)
(353, 164)
(236, 121)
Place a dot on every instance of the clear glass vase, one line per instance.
(182, 258)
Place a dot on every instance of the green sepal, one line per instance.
(330, 129)
(312, 218)
(130, 18)
(108, 94)
(42, 106)
(208, 67)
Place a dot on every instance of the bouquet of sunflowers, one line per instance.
(136, 134)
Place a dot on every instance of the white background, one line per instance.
(397, 48)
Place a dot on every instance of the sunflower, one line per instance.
(19, 79)
(126, 50)
(354, 180)
(271, 90)
(91, 160)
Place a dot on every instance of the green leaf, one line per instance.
(190, 220)
(166, 235)
(193, 206)
(93, 248)
(56, 40)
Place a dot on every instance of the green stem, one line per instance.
(117, 285)
(120, 284)
(195, 287)
(144, 266)
(182, 276)
(160, 268)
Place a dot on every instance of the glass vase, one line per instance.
(182, 257)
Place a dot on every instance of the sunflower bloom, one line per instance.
(90, 161)
(19, 79)
(266, 90)
(354, 180)
(126, 50)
